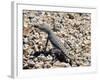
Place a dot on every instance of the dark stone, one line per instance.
(70, 16)
(37, 53)
(25, 66)
(58, 55)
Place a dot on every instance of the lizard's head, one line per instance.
(44, 27)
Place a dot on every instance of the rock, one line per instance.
(25, 40)
(42, 57)
(35, 59)
(24, 58)
(37, 35)
(70, 16)
(31, 57)
(26, 46)
(86, 41)
(30, 51)
(25, 66)
(65, 64)
(47, 65)
(58, 55)
(31, 43)
(49, 58)
(61, 64)
(38, 65)
(30, 63)
(36, 48)
(87, 63)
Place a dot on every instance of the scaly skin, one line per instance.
(54, 39)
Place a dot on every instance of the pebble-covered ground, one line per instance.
(73, 29)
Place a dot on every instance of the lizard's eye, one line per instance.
(35, 25)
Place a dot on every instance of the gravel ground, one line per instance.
(73, 29)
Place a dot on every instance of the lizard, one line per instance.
(54, 40)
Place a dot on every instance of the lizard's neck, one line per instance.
(50, 32)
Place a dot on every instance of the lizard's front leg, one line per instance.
(46, 44)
